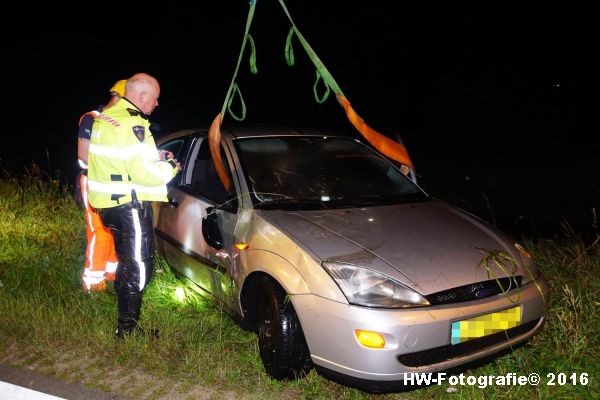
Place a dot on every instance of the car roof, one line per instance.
(247, 131)
(178, 134)
(269, 130)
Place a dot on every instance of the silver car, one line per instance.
(338, 260)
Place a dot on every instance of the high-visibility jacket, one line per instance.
(123, 158)
(100, 256)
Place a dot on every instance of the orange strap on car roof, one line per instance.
(387, 146)
(214, 144)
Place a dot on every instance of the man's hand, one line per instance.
(174, 163)
(165, 155)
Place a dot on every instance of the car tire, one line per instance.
(281, 342)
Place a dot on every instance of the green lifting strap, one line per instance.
(385, 145)
(289, 58)
(322, 71)
(233, 88)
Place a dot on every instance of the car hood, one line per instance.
(429, 246)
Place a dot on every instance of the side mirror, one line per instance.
(210, 229)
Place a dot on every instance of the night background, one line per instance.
(497, 103)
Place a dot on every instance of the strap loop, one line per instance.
(327, 89)
(236, 90)
(289, 50)
(253, 68)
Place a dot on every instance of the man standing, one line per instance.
(100, 257)
(126, 173)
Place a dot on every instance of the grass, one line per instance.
(47, 322)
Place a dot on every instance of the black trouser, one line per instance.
(131, 225)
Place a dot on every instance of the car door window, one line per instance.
(204, 179)
(175, 146)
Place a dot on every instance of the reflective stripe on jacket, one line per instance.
(123, 157)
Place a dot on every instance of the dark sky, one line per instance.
(496, 102)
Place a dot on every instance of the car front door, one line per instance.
(179, 225)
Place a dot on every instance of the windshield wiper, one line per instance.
(292, 203)
(377, 200)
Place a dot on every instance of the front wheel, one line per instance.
(281, 342)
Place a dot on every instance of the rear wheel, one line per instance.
(281, 342)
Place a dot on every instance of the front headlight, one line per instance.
(530, 270)
(364, 287)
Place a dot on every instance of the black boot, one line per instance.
(129, 313)
(152, 333)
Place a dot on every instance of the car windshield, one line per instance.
(312, 172)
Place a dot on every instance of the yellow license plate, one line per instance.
(484, 325)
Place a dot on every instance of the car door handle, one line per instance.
(173, 203)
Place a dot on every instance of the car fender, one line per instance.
(260, 262)
(300, 275)
(278, 268)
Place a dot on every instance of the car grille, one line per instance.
(445, 353)
(474, 291)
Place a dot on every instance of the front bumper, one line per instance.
(329, 330)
